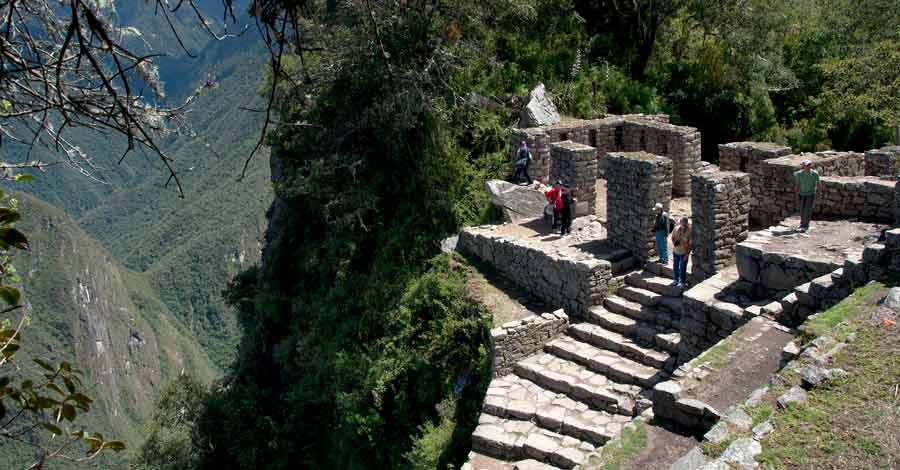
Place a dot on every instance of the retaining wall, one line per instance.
(515, 340)
(569, 278)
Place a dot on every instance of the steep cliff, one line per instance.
(86, 308)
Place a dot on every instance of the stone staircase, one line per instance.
(563, 403)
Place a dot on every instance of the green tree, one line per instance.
(169, 445)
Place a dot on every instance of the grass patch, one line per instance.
(715, 450)
(619, 454)
(847, 309)
(853, 421)
(761, 413)
(717, 356)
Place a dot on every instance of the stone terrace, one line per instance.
(780, 258)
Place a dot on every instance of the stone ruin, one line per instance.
(719, 205)
(576, 164)
(636, 182)
(631, 133)
(626, 340)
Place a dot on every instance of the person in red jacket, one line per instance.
(554, 196)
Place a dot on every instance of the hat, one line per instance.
(807, 162)
(559, 182)
(657, 206)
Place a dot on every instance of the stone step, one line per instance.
(623, 265)
(479, 461)
(603, 338)
(652, 282)
(655, 315)
(665, 270)
(511, 439)
(642, 296)
(664, 337)
(581, 384)
(605, 362)
(514, 397)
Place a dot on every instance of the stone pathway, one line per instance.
(561, 404)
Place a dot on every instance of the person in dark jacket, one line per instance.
(568, 211)
(521, 163)
(662, 228)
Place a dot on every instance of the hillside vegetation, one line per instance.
(360, 348)
(89, 310)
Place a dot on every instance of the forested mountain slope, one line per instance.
(86, 308)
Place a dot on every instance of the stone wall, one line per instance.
(706, 320)
(568, 277)
(777, 273)
(855, 197)
(773, 191)
(628, 133)
(680, 144)
(515, 340)
(720, 207)
(635, 183)
(743, 156)
(576, 164)
(883, 162)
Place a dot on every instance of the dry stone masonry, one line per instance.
(566, 277)
(515, 340)
(720, 207)
(636, 181)
(576, 164)
(744, 156)
(772, 181)
(630, 133)
(855, 197)
(883, 162)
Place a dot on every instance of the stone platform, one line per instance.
(780, 258)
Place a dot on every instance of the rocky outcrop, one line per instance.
(518, 203)
(540, 110)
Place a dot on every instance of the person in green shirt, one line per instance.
(807, 181)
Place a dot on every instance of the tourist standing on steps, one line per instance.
(662, 228)
(520, 166)
(554, 196)
(681, 247)
(807, 181)
(567, 212)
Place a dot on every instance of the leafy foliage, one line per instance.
(168, 445)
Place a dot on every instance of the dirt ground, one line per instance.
(744, 363)
(505, 300)
(663, 448)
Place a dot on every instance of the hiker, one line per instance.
(662, 228)
(567, 213)
(681, 247)
(807, 181)
(554, 198)
(521, 163)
